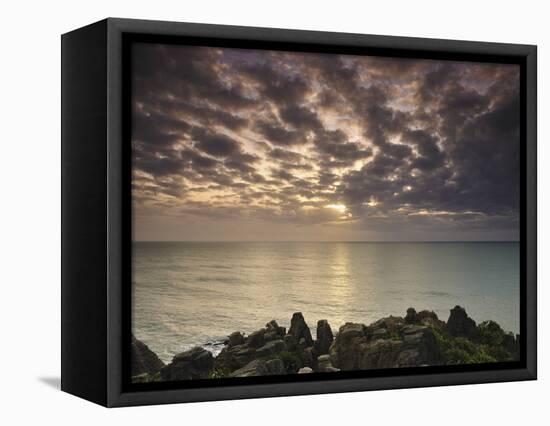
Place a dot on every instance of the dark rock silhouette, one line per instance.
(309, 357)
(346, 348)
(492, 335)
(143, 359)
(235, 339)
(290, 342)
(196, 363)
(275, 367)
(417, 339)
(256, 339)
(429, 318)
(324, 337)
(271, 348)
(299, 329)
(235, 357)
(411, 317)
(274, 331)
(460, 324)
(423, 317)
(389, 343)
(256, 367)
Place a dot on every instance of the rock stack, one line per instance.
(144, 361)
(460, 324)
(418, 339)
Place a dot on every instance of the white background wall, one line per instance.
(30, 211)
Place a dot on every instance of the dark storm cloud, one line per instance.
(282, 175)
(300, 117)
(326, 178)
(345, 151)
(282, 154)
(338, 150)
(206, 114)
(197, 161)
(242, 162)
(156, 130)
(276, 134)
(217, 145)
(430, 156)
(158, 166)
(469, 162)
(183, 73)
(436, 80)
(276, 86)
(486, 158)
(309, 138)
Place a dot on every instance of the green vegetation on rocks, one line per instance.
(219, 373)
(418, 339)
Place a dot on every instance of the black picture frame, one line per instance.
(96, 212)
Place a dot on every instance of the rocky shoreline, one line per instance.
(417, 339)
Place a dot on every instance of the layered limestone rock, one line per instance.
(196, 363)
(415, 340)
(143, 360)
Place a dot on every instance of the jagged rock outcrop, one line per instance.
(309, 357)
(324, 364)
(274, 331)
(324, 337)
(143, 360)
(511, 344)
(385, 327)
(430, 318)
(411, 317)
(234, 357)
(492, 335)
(290, 342)
(346, 348)
(196, 363)
(419, 347)
(388, 343)
(275, 367)
(279, 351)
(256, 339)
(271, 348)
(235, 339)
(256, 367)
(299, 329)
(424, 317)
(267, 342)
(417, 339)
(460, 324)
(261, 367)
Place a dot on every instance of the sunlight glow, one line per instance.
(372, 202)
(424, 212)
(339, 207)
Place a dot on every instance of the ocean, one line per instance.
(196, 293)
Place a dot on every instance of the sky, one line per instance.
(257, 145)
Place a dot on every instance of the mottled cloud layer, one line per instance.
(250, 144)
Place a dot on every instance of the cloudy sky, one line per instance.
(233, 144)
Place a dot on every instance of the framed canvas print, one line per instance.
(253, 212)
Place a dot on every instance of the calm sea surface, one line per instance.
(196, 293)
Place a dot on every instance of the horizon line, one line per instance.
(325, 241)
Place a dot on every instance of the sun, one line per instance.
(339, 207)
